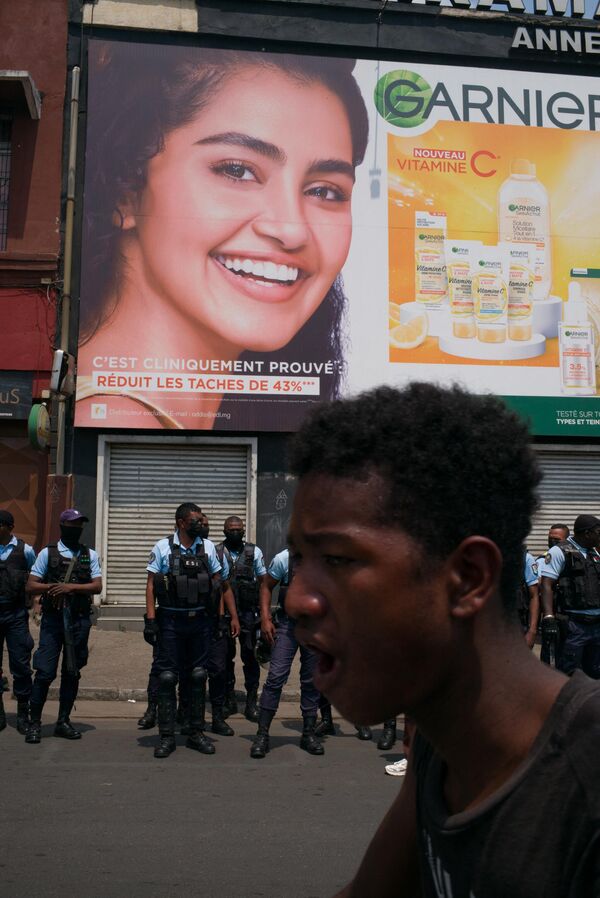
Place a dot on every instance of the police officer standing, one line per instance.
(571, 597)
(247, 572)
(285, 645)
(16, 560)
(184, 576)
(66, 575)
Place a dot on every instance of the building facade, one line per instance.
(268, 198)
(32, 89)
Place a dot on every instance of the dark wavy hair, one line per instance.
(455, 465)
(138, 94)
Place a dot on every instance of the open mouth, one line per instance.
(260, 271)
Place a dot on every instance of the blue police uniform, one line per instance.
(185, 615)
(284, 652)
(52, 631)
(248, 612)
(18, 557)
(530, 574)
(177, 623)
(579, 645)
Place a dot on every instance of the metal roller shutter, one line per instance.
(571, 486)
(146, 483)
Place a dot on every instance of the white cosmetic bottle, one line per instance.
(524, 217)
(576, 347)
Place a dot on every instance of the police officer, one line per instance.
(184, 576)
(66, 575)
(220, 639)
(16, 560)
(556, 534)
(285, 645)
(148, 719)
(571, 594)
(528, 599)
(247, 572)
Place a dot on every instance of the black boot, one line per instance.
(63, 726)
(308, 740)
(34, 732)
(197, 740)
(387, 739)
(148, 720)
(2, 714)
(251, 709)
(325, 727)
(167, 707)
(230, 706)
(165, 747)
(260, 746)
(22, 716)
(364, 733)
(219, 726)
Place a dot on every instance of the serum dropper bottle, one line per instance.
(576, 347)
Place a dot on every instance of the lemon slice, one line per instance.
(393, 315)
(411, 334)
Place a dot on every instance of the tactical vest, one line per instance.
(578, 587)
(283, 589)
(58, 566)
(187, 585)
(243, 582)
(13, 577)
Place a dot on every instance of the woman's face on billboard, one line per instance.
(244, 222)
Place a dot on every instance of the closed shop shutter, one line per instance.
(571, 486)
(146, 483)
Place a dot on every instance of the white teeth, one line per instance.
(267, 270)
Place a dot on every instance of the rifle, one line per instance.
(70, 657)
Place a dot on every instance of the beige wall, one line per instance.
(158, 15)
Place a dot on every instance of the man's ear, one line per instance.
(474, 570)
(124, 213)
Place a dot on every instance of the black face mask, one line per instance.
(553, 542)
(204, 531)
(234, 539)
(194, 530)
(70, 536)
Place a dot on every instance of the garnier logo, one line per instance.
(405, 99)
(402, 98)
(524, 208)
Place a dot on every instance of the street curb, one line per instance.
(119, 694)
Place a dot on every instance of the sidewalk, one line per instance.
(118, 666)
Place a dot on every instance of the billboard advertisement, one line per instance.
(263, 231)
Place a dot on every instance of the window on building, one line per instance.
(5, 133)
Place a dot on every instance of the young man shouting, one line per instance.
(405, 585)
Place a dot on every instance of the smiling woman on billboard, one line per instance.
(217, 220)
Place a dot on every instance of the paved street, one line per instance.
(102, 817)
